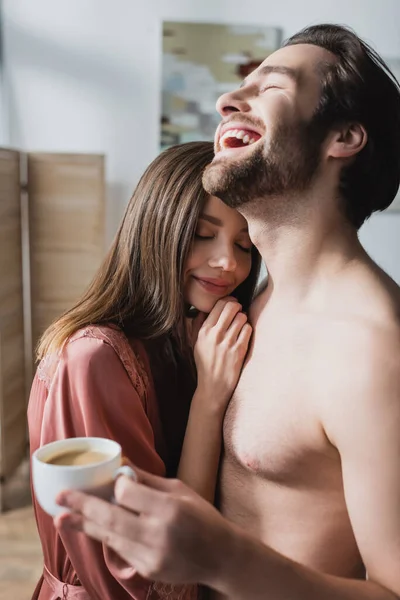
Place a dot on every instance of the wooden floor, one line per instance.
(21, 560)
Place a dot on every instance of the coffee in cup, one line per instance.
(78, 458)
(88, 464)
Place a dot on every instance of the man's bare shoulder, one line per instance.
(361, 389)
(364, 359)
(388, 287)
(364, 310)
(365, 341)
(359, 342)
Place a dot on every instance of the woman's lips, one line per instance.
(213, 286)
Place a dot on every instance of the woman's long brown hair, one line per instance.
(139, 286)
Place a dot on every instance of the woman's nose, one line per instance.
(224, 260)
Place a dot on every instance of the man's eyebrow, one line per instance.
(267, 69)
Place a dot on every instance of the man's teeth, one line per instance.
(240, 135)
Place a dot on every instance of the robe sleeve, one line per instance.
(92, 395)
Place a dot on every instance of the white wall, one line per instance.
(83, 75)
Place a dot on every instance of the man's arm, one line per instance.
(363, 423)
(168, 532)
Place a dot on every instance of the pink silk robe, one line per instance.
(100, 385)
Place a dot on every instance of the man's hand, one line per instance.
(169, 533)
(159, 526)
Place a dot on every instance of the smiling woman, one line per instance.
(220, 256)
(121, 364)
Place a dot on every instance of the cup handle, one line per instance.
(127, 471)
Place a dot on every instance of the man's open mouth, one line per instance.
(238, 138)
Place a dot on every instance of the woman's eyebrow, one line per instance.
(211, 219)
(218, 222)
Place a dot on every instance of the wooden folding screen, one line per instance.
(65, 228)
(12, 356)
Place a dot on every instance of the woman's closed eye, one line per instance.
(244, 248)
(239, 245)
(203, 237)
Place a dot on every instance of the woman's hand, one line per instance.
(220, 350)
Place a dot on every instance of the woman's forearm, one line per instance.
(201, 450)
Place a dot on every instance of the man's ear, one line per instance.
(347, 141)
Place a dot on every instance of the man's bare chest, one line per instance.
(272, 426)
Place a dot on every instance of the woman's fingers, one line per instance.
(228, 314)
(215, 314)
(236, 327)
(244, 336)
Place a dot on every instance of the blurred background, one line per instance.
(90, 90)
(85, 76)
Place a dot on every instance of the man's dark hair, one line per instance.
(360, 88)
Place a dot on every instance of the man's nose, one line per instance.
(232, 102)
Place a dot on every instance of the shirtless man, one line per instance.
(311, 466)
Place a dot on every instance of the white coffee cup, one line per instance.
(96, 478)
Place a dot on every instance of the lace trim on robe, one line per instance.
(167, 591)
(115, 338)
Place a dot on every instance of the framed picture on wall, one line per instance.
(200, 62)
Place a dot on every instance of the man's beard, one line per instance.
(286, 168)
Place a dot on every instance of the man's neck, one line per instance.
(304, 254)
